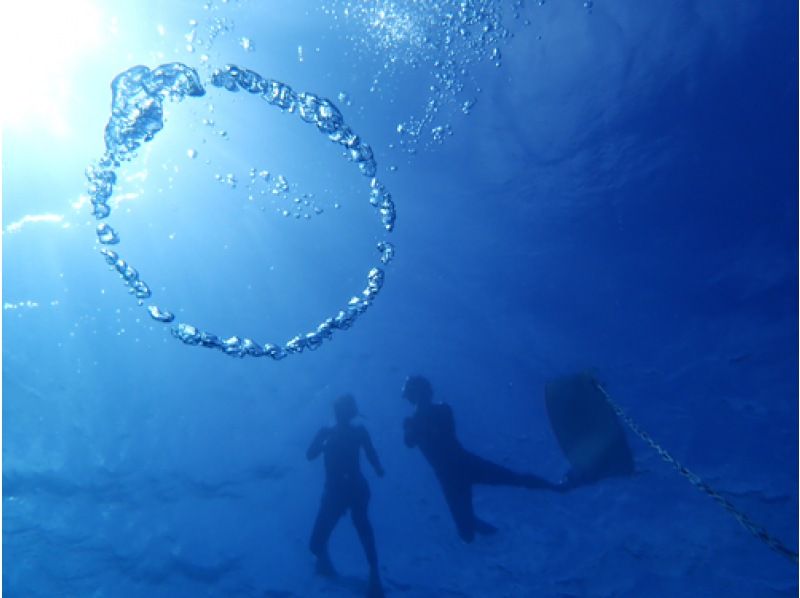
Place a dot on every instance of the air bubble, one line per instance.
(344, 98)
(106, 235)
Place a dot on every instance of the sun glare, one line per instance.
(41, 43)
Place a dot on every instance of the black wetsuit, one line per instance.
(432, 429)
(345, 486)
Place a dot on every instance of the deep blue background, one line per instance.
(621, 199)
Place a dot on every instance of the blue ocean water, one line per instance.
(598, 186)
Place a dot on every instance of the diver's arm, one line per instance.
(318, 444)
(408, 433)
(369, 451)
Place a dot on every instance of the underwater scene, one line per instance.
(422, 298)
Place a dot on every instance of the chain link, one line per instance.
(756, 530)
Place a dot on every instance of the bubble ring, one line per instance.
(138, 95)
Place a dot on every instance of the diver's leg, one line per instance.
(358, 512)
(458, 495)
(330, 511)
(492, 474)
(483, 527)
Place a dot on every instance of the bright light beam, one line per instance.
(41, 43)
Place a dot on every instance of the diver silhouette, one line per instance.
(345, 488)
(432, 429)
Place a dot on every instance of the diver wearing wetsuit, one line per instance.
(345, 488)
(432, 428)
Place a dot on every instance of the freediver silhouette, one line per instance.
(432, 429)
(345, 488)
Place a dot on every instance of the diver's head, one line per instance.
(417, 389)
(345, 409)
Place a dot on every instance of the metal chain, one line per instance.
(756, 530)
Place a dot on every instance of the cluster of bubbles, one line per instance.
(129, 274)
(446, 37)
(138, 95)
(203, 37)
(28, 304)
(286, 197)
(203, 34)
(199, 39)
(137, 114)
(320, 112)
(227, 179)
(241, 347)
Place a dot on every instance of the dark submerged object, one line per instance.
(587, 429)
